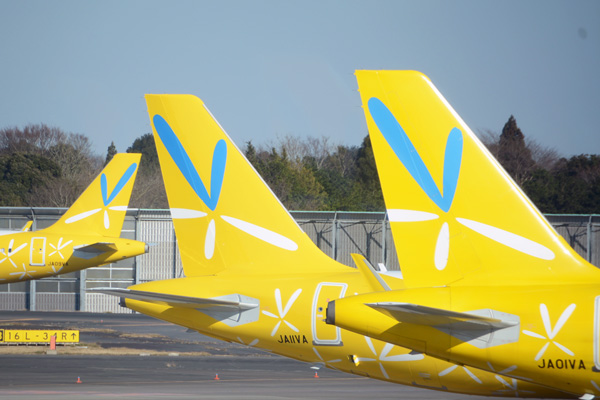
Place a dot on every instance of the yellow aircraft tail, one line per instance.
(224, 214)
(456, 215)
(101, 208)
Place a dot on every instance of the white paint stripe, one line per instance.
(83, 215)
(263, 234)
(442, 248)
(509, 239)
(183, 213)
(397, 215)
(118, 208)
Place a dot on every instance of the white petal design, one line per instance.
(448, 370)
(397, 215)
(533, 334)
(383, 371)
(509, 369)
(442, 247)
(561, 321)
(386, 349)
(292, 327)
(263, 234)
(83, 215)
(278, 301)
(403, 357)
(370, 343)
(270, 314)
(15, 251)
(502, 381)
(291, 302)
(106, 220)
(118, 208)
(274, 331)
(509, 239)
(209, 243)
(184, 213)
(541, 352)
(472, 375)
(563, 348)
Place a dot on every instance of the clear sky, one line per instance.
(268, 68)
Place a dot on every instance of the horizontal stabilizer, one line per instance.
(367, 270)
(27, 226)
(89, 251)
(435, 317)
(174, 300)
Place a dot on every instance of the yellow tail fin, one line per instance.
(102, 206)
(225, 216)
(456, 215)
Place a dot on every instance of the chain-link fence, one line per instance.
(337, 234)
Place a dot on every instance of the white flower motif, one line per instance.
(24, 273)
(455, 366)
(11, 252)
(384, 357)
(107, 198)
(251, 344)
(59, 246)
(283, 311)
(513, 386)
(408, 155)
(323, 361)
(550, 332)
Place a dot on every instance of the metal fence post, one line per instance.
(136, 275)
(334, 235)
(589, 240)
(82, 281)
(384, 239)
(32, 294)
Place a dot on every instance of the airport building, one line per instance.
(338, 234)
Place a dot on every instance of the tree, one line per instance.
(70, 151)
(21, 174)
(293, 183)
(368, 178)
(513, 154)
(149, 187)
(146, 146)
(110, 153)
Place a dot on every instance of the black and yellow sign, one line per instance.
(37, 336)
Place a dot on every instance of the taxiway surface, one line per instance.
(244, 372)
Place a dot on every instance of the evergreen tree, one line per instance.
(110, 152)
(368, 178)
(149, 187)
(513, 154)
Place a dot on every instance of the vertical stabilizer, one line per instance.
(101, 208)
(456, 215)
(225, 216)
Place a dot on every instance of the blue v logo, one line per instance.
(106, 199)
(185, 165)
(408, 155)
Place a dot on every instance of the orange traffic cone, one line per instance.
(216, 377)
(78, 380)
(316, 374)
